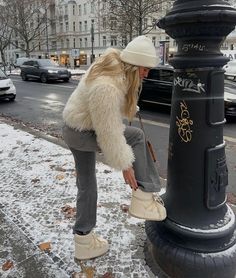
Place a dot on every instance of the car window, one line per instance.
(35, 63)
(47, 63)
(27, 63)
(166, 75)
(154, 74)
(2, 75)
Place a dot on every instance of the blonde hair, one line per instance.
(110, 64)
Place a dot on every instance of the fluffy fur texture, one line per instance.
(99, 105)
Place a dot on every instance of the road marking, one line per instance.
(227, 138)
(40, 84)
(153, 123)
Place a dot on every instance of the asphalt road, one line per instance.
(41, 105)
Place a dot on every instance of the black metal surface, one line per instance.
(198, 238)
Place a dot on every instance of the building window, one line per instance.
(154, 40)
(85, 42)
(66, 10)
(113, 41)
(145, 22)
(62, 44)
(104, 5)
(80, 43)
(113, 23)
(85, 26)
(67, 26)
(73, 9)
(61, 27)
(104, 23)
(74, 43)
(124, 41)
(80, 10)
(85, 9)
(80, 26)
(54, 45)
(67, 43)
(104, 41)
(92, 7)
(154, 24)
(74, 26)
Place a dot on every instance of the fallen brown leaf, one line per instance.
(60, 177)
(124, 208)
(45, 246)
(107, 275)
(231, 198)
(89, 271)
(7, 265)
(68, 211)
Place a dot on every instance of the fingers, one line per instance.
(129, 178)
(132, 183)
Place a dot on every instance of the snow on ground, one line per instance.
(37, 179)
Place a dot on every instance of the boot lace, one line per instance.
(158, 199)
(96, 242)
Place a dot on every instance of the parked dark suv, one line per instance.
(158, 86)
(43, 69)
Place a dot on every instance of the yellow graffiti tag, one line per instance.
(184, 123)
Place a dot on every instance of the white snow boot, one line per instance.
(146, 206)
(89, 246)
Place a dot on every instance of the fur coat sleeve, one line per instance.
(105, 104)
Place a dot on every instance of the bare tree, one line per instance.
(127, 19)
(28, 23)
(5, 34)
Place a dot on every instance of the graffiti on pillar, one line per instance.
(193, 46)
(188, 85)
(184, 123)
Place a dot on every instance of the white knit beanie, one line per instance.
(140, 52)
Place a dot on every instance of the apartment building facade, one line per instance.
(77, 32)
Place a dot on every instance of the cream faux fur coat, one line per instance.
(99, 106)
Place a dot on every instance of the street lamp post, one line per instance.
(92, 42)
(46, 19)
(198, 238)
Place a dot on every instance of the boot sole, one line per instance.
(89, 258)
(146, 218)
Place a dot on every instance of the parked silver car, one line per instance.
(7, 88)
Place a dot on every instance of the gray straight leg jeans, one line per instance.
(83, 146)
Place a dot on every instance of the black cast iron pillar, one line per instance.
(198, 238)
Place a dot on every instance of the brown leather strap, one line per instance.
(149, 145)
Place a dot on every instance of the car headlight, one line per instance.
(53, 71)
(9, 83)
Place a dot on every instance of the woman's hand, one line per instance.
(130, 178)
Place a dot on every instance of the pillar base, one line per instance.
(169, 260)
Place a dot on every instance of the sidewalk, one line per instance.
(37, 201)
(37, 180)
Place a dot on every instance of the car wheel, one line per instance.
(24, 76)
(43, 78)
(66, 80)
